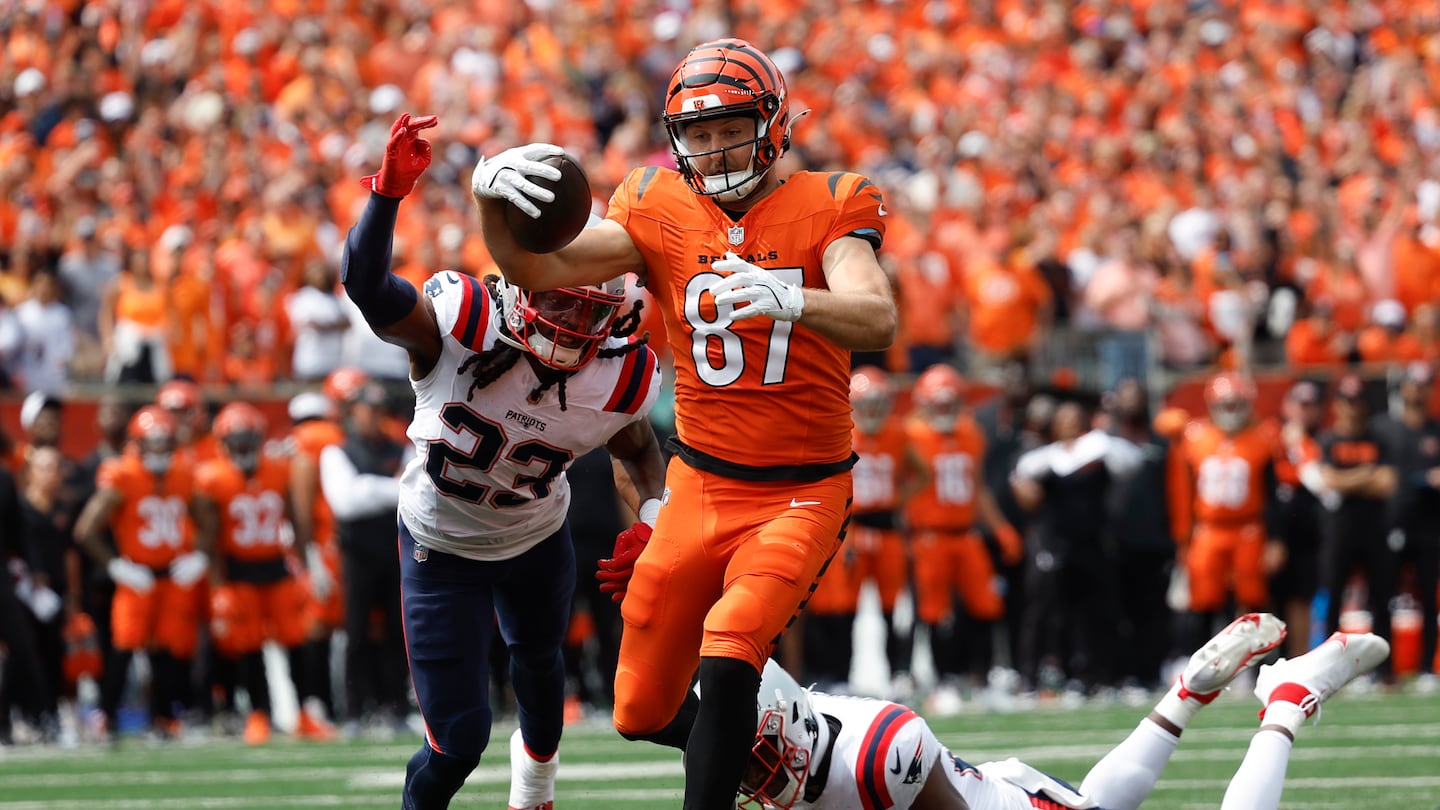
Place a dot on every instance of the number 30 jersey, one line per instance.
(488, 478)
(781, 390)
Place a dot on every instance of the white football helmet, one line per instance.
(785, 742)
(561, 328)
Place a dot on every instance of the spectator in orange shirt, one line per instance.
(1316, 340)
(1007, 306)
(245, 367)
(1379, 342)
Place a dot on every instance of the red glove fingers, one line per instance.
(615, 572)
(407, 155)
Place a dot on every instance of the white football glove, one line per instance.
(507, 176)
(767, 294)
(188, 568)
(45, 603)
(132, 575)
(321, 583)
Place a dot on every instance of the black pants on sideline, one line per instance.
(374, 656)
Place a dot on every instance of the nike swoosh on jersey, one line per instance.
(794, 503)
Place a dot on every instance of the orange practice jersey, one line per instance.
(779, 379)
(152, 525)
(1221, 479)
(312, 437)
(877, 473)
(953, 460)
(252, 510)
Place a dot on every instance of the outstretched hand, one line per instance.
(407, 156)
(615, 572)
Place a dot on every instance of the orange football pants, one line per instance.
(276, 611)
(1222, 556)
(947, 562)
(729, 566)
(328, 614)
(869, 554)
(166, 618)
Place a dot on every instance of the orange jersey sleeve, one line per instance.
(151, 526)
(1228, 472)
(787, 385)
(311, 438)
(252, 510)
(953, 460)
(877, 473)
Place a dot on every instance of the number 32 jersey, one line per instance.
(779, 379)
(488, 478)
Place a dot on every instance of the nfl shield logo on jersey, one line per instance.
(421, 553)
(737, 235)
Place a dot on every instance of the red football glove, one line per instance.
(614, 573)
(407, 156)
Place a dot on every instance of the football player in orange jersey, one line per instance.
(240, 505)
(314, 427)
(763, 450)
(950, 556)
(1224, 511)
(886, 475)
(141, 496)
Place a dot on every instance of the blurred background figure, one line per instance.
(951, 560)
(1413, 438)
(360, 477)
(1223, 509)
(1067, 634)
(318, 322)
(1358, 468)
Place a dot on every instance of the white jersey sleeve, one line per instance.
(488, 477)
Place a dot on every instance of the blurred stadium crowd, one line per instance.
(1170, 187)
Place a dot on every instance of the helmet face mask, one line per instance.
(785, 742)
(1229, 398)
(241, 430)
(871, 399)
(563, 328)
(722, 84)
(153, 431)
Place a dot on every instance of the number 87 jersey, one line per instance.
(488, 478)
(759, 378)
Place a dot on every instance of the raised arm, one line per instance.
(599, 253)
(390, 304)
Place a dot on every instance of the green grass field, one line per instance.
(1369, 752)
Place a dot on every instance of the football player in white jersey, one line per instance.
(815, 751)
(510, 386)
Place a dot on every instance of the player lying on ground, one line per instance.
(814, 750)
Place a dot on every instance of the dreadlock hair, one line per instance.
(489, 365)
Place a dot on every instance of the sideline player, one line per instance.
(510, 387)
(763, 448)
(820, 751)
(241, 505)
(1225, 514)
(141, 495)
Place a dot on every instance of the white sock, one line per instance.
(1124, 777)
(1176, 709)
(532, 782)
(1261, 776)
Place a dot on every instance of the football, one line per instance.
(561, 220)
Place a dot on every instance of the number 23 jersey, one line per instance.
(761, 378)
(487, 481)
